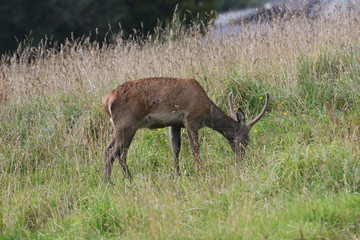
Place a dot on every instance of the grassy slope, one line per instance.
(300, 180)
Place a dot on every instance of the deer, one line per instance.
(175, 103)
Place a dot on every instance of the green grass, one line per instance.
(300, 180)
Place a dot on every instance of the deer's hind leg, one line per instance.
(109, 160)
(118, 148)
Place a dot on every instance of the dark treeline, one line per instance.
(61, 19)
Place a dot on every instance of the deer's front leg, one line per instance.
(175, 146)
(193, 135)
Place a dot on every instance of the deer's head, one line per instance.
(240, 139)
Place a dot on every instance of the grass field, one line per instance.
(300, 180)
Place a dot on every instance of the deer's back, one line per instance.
(164, 99)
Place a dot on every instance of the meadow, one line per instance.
(301, 177)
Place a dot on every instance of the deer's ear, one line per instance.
(240, 117)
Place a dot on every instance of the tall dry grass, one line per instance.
(268, 51)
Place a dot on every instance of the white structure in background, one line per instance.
(331, 5)
(224, 19)
(343, 3)
(228, 17)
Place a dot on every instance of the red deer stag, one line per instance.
(174, 102)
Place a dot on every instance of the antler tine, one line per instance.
(232, 113)
(250, 124)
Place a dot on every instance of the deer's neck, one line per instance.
(221, 123)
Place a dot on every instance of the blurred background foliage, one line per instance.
(60, 19)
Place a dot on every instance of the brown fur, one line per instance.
(141, 97)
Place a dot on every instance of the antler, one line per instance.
(250, 124)
(232, 113)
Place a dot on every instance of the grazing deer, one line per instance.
(174, 102)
